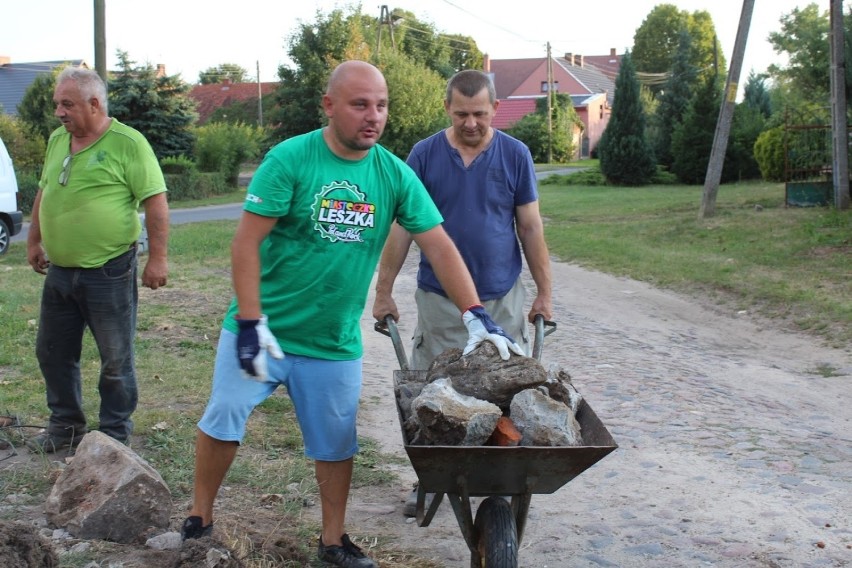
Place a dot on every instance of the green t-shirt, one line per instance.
(333, 218)
(94, 217)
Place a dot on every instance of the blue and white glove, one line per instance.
(480, 326)
(253, 342)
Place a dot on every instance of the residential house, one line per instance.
(16, 78)
(519, 82)
(213, 96)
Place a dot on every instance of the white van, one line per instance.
(11, 220)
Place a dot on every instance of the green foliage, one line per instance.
(418, 94)
(315, 49)
(158, 107)
(756, 95)
(656, 39)
(223, 148)
(427, 47)
(25, 148)
(177, 165)
(559, 146)
(747, 124)
(36, 108)
(804, 38)
(27, 189)
(674, 100)
(222, 72)
(692, 139)
(591, 177)
(626, 156)
(769, 154)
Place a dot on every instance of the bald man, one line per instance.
(316, 216)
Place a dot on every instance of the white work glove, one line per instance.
(253, 342)
(480, 326)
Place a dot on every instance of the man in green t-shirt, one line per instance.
(83, 233)
(316, 216)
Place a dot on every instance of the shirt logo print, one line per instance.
(342, 212)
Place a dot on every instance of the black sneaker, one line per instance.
(348, 555)
(192, 528)
(49, 443)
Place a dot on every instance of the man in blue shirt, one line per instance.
(483, 182)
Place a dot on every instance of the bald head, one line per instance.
(356, 105)
(350, 71)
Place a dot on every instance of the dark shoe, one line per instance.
(48, 443)
(192, 528)
(410, 508)
(348, 555)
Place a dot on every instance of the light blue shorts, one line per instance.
(324, 393)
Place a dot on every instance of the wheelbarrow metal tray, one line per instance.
(498, 470)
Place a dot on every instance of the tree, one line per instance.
(692, 139)
(532, 130)
(315, 50)
(756, 95)
(36, 108)
(224, 71)
(443, 53)
(416, 103)
(626, 157)
(674, 100)
(656, 41)
(158, 107)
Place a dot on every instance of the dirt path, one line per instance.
(734, 449)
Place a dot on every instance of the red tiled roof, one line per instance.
(510, 111)
(216, 95)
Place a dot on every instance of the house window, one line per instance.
(555, 86)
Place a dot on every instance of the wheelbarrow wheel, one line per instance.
(497, 541)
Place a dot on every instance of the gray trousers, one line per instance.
(440, 326)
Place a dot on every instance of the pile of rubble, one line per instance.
(479, 400)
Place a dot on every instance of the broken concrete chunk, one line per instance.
(447, 417)
(544, 421)
(484, 375)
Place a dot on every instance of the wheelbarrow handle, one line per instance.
(388, 327)
(543, 328)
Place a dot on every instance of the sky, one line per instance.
(189, 36)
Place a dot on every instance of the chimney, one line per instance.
(578, 61)
(486, 63)
(612, 52)
(161, 70)
(569, 57)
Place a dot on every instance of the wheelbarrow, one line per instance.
(496, 473)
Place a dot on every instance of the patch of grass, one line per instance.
(754, 253)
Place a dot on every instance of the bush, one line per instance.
(177, 165)
(769, 153)
(27, 189)
(590, 176)
(26, 148)
(223, 148)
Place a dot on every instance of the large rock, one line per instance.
(108, 492)
(543, 421)
(448, 418)
(484, 375)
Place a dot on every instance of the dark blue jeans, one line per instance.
(105, 300)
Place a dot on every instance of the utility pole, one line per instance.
(385, 19)
(259, 96)
(726, 115)
(839, 131)
(549, 106)
(100, 39)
